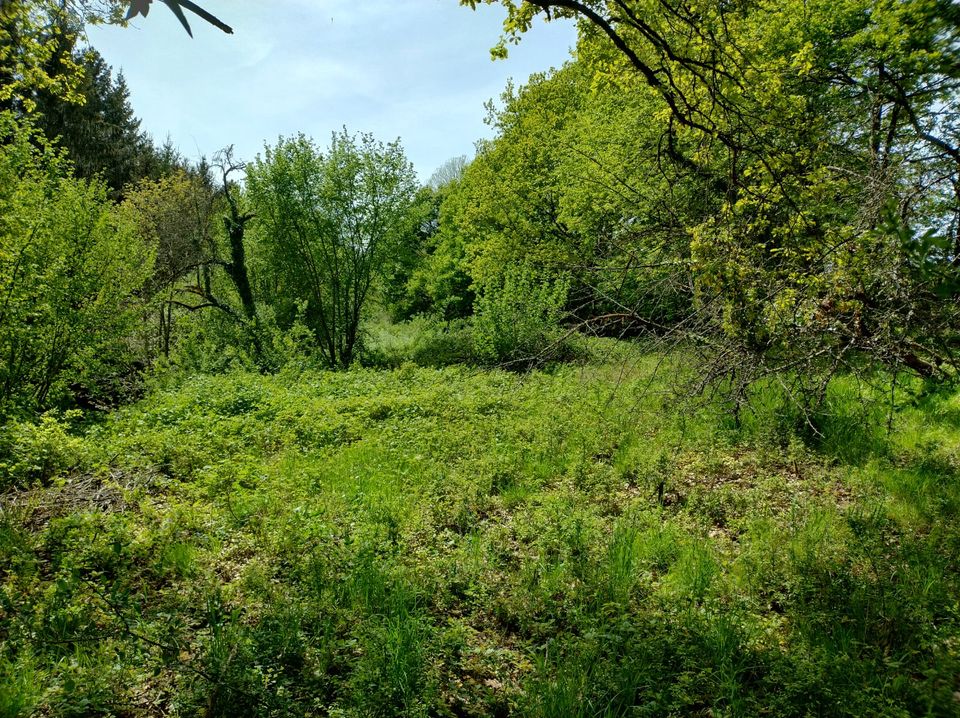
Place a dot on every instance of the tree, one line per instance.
(450, 171)
(812, 121)
(71, 273)
(573, 185)
(174, 215)
(100, 133)
(235, 223)
(327, 221)
(37, 37)
(506, 208)
(198, 267)
(32, 57)
(402, 290)
(72, 95)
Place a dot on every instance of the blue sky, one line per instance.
(415, 69)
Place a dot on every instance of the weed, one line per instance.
(461, 542)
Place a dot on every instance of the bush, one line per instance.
(214, 343)
(422, 341)
(518, 318)
(71, 267)
(37, 452)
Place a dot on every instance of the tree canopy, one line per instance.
(328, 220)
(829, 136)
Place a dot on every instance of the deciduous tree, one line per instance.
(71, 271)
(813, 121)
(327, 220)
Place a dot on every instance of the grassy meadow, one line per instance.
(415, 541)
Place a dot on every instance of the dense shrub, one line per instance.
(518, 318)
(37, 451)
(71, 265)
(422, 341)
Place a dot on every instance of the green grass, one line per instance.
(452, 542)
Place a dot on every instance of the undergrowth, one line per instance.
(456, 542)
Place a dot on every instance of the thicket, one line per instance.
(778, 190)
(71, 266)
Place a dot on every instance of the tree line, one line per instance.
(775, 185)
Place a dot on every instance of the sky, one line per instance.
(419, 70)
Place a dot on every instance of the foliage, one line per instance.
(423, 341)
(518, 320)
(38, 451)
(100, 132)
(175, 215)
(327, 222)
(453, 541)
(70, 267)
(574, 183)
(773, 185)
(506, 207)
(31, 57)
(406, 264)
(807, 120)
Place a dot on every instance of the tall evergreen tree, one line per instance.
(102, 134)
(70, 93)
